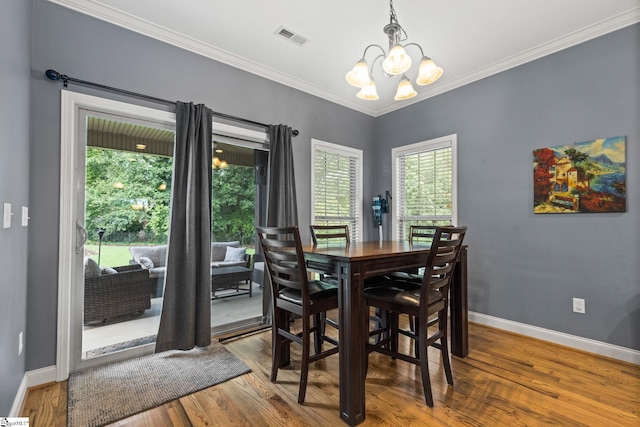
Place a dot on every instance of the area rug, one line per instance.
(105, 394)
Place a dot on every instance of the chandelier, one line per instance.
(395, 63)
(216, 163)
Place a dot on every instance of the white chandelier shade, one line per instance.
(397, 61)
(429, 72)
(359, 75)
(405, 90)
(369, 91)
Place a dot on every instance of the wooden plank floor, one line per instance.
(507, 380)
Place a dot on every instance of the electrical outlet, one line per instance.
(20, 343)
(578, 305)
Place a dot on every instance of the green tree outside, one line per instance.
(233, 206)
(129, 194)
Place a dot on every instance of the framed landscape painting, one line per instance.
(582, 177)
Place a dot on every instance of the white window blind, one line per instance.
(336, 192)
(424, 184)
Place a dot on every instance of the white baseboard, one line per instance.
(580, 343)
(31, 379)
(17, 402)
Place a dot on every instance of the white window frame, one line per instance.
(418, 147)
(344, 151)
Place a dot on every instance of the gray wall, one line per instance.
(15, 30)
(89, 49)
(545, 260)
(525, 267)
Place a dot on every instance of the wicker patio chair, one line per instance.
(112, 295)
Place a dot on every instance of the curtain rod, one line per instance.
(56, 76)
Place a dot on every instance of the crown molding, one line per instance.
(108, 14)
(601, 28)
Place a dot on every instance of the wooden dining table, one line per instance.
(353, 262)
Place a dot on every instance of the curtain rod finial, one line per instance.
(295, 132)
(52, 74)
(55, 76)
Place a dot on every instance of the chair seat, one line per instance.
(410, 277)
(318, 291)
(403, 293)
(376, 281)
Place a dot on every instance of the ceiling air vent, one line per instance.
(291, 36)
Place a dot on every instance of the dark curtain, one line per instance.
(186, 310)
(282, 208)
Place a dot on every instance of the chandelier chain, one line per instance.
(394, 30)
(392, 12)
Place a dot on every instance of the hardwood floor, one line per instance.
(506, 379)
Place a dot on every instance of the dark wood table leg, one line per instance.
(352, 353)
(459, 308)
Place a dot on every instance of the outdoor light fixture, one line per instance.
(396, 62)
(216, 163)
(100, 235)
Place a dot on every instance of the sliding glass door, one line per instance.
(123, 200)
(116, 175)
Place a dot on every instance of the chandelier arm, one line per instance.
(374, 62)
(415, 44)
(374, 45)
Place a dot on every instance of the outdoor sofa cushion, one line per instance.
(91, 268)
(235, 254)
(157, 254)
(219, 249)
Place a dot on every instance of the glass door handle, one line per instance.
(83, 236)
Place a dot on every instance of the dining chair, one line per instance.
(326, 233)
(293, 294)
(340, 234)
(429, 300)
(417, 234)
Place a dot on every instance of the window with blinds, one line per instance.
(425, 184)
(336, 186)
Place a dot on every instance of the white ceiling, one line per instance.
(469, 39)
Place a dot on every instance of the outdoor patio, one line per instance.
(227, 315)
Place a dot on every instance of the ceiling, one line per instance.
(469, 39)
(135, 138)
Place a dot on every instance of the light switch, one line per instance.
(6, 217)
(25, 216)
